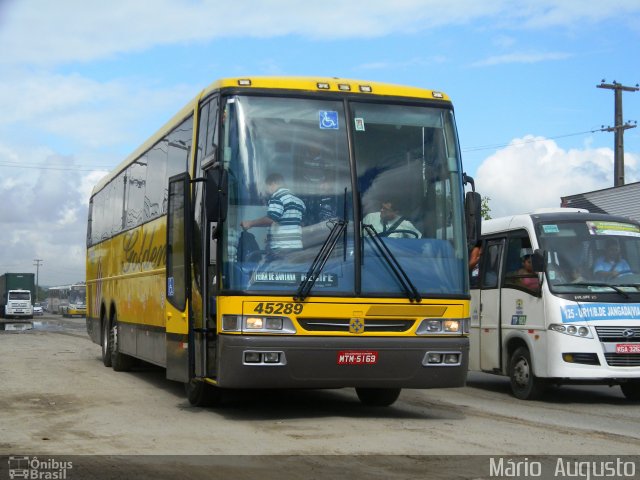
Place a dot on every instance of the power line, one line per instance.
(39, 167)
(532, 140)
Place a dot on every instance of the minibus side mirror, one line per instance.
(216, 187)
(537, 261)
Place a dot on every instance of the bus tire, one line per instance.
(201, 394)
(524, 384)
(378, 397)
(120, 362)
(631, 390)
(106, 345)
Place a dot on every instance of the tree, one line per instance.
(485, 209)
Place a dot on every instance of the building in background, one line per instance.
(623, 200)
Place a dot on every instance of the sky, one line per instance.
(83, 83)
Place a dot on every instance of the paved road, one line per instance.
(58, 398)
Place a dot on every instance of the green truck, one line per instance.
(16, 293)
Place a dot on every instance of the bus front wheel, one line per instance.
(631, 389)
(119, 361)
(524, 384)
(378, 397)
(201, 394)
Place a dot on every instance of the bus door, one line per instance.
(489, 304)
(178, 331)
(521, 304)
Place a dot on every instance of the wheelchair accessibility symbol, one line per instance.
(328, 120)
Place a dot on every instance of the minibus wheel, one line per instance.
(524, 384)
(631, 389)
(378, 397)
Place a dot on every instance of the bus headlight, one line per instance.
(573, 330)
(257, 324)
(254, 323)
(430, 326)
(451, 326)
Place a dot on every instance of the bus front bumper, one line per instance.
(335, 362)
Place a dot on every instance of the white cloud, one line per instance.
(89, 112)
(44, 214)
(106, 29)
(533, 172)
(522, 57)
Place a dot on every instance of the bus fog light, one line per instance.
(452, 358)
(271, 357)
(567, 357)
(254, 323)
(433, 357)
(252, 357)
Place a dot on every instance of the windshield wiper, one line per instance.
(594, 284)
(402, 277)
(321, 259)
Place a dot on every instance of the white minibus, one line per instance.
(556, 300)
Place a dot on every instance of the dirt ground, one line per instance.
(58, 401)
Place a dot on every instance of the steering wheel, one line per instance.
(408, 232)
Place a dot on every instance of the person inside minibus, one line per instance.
(526, 276)
(611, 264)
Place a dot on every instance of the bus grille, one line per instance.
(622, 360)
(342, 325)
(616, 334)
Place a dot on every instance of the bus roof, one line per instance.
(325, 84)
(303, 84)
(503, 224)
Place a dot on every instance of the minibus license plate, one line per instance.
(628, 348)
(357, 357)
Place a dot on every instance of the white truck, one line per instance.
(16, 293)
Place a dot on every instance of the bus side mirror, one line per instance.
(537, 261)
(473, 216)
(216, 187)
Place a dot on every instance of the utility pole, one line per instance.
(618, 128)
(38, 262)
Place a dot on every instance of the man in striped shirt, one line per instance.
(284, 217)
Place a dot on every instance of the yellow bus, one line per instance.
(68, 300)
(289, 233)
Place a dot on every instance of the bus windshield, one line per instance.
(291, 197)
(591, 256)
(78, 295)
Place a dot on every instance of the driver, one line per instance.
(611, 264)
(388, 222)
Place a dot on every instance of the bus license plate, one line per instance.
(357, 358)
(628, 348)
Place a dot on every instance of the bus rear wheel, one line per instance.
(378, 397)
(524, 384)
(631, 389)
(106, 345)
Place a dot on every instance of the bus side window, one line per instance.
(518, 272)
